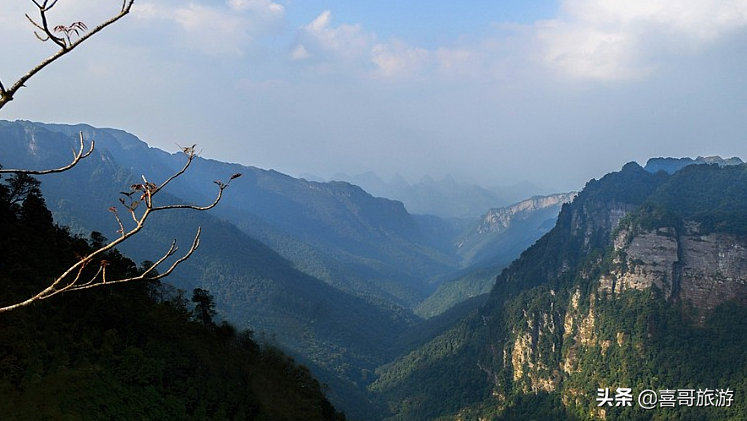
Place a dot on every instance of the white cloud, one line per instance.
(299, 53)
(610, 39)
(346, 45)
(320, 38)
(259, 6)
(218, 29)
(321, 22)
(147, 11)
(459, 61)
(398, 59)
(211, 30)
(590, 52)
(703, 19)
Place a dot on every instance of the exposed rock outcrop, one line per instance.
(498, 219)
(700, 269)
(703, 270)
(501, 234)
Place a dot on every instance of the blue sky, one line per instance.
(425, 22)
(552, 92)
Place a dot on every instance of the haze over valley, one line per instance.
(346, 282)
(373, 211)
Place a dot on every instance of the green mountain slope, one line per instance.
(126, 352)
(359, 243)
(468, 284)
(488, 245)
(253, 285)
(640, 285)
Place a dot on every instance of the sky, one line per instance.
(490, 92)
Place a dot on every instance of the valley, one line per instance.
(421, 317)
(366, 211)
(334, 275)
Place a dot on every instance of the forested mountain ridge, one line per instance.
(126, 352)
(375, 263)
(491, 243)
(672, 165)
(335, 231)
(641, 284)
(253, 285)
(501, 234)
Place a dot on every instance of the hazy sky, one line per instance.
(493, 92)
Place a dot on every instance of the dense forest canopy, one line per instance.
(548, 337)
(126, 352)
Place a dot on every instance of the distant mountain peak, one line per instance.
(498, 219)
(672, 165)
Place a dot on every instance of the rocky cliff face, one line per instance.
(556, 327)
(502, 233)
(498, 219)
(703, 270)
(559, 331)
(641, 283)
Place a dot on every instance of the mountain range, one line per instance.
(640, 285)
(446, 198)
(326, 270)
(132, 351)
(639, 282)
(489, 244)
(672, 165)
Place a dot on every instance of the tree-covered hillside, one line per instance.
(254, 286)
(364, 245)
(125, 352)
(639, 285)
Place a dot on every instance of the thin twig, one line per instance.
(6, 95)
(77, 156)
(63, 283)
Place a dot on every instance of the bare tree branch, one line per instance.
(99, 278)
(44, 26)
(70, 280)
(66, 44)
(77, 156)
(138, 201)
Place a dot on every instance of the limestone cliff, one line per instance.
(642, 283)
(700, 270)
(561, 339)
(703, 270)
(498, 219)
(502, 233)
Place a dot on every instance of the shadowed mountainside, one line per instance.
(640, 284)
